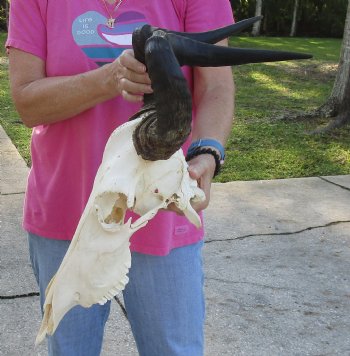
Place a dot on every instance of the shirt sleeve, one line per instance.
(27, 26)
(204, 15)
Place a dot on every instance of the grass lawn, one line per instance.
(260, 146)
(19, 134)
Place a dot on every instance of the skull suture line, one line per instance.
(143, 168)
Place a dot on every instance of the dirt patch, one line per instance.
(319, 71)
(4, 61)
(323, 71)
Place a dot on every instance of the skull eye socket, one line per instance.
(110, 208)
(116, 216)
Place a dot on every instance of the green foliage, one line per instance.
(3, 14)
(19, 134)
(243, 9)
(3, 37)
(323, 18)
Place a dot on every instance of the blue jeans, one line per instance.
(164, 301)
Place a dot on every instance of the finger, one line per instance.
(128, 60)
(200, 165)
(138, 78)
(201, 168)
(199, 206)
(205, 184)
(134, 70)
(130, 74)
(133, 98)
(134, 88)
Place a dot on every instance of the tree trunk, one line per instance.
(337, 105)
(294, 22)
(256, 27)
(343, 75)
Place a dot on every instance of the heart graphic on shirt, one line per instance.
(101, 43)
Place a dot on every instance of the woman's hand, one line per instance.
(201, 168)
(131, 77)
(33, 91)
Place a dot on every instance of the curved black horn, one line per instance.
(142, 34)
(166, 122)
(139, 38)
(193, 53)
(197, 49)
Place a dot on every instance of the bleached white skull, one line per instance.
(95, 267)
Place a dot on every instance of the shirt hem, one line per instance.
(163, 251)
(46, 234)
(134, 247)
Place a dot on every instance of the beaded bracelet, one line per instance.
(203, 142)
(200, 151)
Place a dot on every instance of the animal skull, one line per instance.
(96, 264)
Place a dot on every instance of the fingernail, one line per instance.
(193, 172)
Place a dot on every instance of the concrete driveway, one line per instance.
(277, 261)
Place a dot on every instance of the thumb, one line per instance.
(196, 168)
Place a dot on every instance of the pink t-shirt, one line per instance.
(72, 37)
